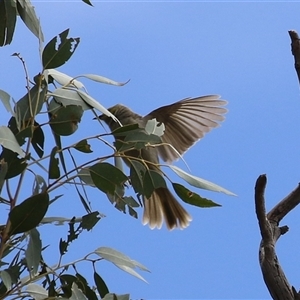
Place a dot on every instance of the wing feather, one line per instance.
(187, 121)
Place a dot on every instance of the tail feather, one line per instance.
(161, 206)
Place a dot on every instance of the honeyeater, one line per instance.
(185, 121)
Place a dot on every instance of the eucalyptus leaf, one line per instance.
(118, 258)
(27, 14)
(101, 285)
(154, 127)
(5, 98)
(107, 177)
(62, 78)
(59, 50)
(102, 79)
(192, 198)
(29, 213)
(9, 141)
(6, 279)
(8, 17)
(199, 182)
(85, 175)
(36, 291)
(95, 104)
(132, 272)
(33, 251)
(66, 96)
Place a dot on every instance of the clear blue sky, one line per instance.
(172, 50)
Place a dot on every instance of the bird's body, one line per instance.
(185, 122)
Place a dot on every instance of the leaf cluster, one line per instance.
(56, 102)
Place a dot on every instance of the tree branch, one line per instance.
(295, 45)
(273, 275)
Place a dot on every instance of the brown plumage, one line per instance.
(185, 122)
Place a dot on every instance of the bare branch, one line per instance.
(273, 275)
(295, 45)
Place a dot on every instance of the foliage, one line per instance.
(26, 150)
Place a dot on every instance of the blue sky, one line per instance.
(169, 51)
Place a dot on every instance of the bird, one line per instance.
(185, 122)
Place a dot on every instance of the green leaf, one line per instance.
(111, 296)
(60, 153)
(31, 103)
(90, 220)
(59, 51)
(36, 291)
(27, 14)
(3, 172)
(33, 251)
(191, 197)
(87, 2)
(152, 180)
(85, 175)
(8, 17)
(83, 285)
(38, 140)
(107, 177)
(121, 130)
(137, 171)
(130, 201)
(29, 213)
(64, 120)
(199, 182)
(15, 165)
(39, 185)
(67, 96)
(67, 281)
(9, 141)
(6, 279)
(5, 97)
(83, 146)
(54, 172)
(142, 136)
(100, 284)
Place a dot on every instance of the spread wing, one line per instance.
(186, 122)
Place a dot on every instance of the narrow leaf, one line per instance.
(118, 258)
(131, 272)
(6, 279)
(102, 79)
(27, 14)
(199, 182)
(8, 17)
(100, 284)
(62, 78)
(54, 172)
(95, 104)
(33, 251)
(192, 198)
